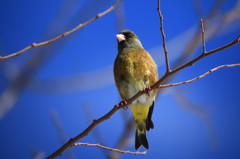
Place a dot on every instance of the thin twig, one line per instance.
(190, 63)
(203, 37)
(130, 100)
(196, 78)
(34, 45)
(163, 38)
(111, 149)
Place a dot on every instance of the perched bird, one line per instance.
(135, 70)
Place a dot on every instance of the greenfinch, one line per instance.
(135, 70)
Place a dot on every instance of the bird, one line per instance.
(135, 70)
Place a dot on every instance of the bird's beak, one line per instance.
(120, 37)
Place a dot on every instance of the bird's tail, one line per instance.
(142, 114)
(141, 138)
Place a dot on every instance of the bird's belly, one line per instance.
(134, 89)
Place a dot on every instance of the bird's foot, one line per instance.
(147, 90)
(123, 104)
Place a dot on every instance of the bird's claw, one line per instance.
(125, 107)
(123, 104)
(147, 90)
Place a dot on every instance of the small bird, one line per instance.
(135, 70)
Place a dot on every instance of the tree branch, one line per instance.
(203, 36)
(34, 45)
(201, 76)
(163, 38)
(111, 149)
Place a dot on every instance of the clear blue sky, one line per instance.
(76, 72)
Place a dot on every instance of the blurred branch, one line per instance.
(96, 133)
(59, 129)
(120, 15)
(78, 82)
(124, 139)
(202, 113)
(39, 155)
(34, 45)
(201, 76)
(215, 8)
(203, 36)
(198, 8)
(163, 38)
(126, 132)
(36, 154)
(111, 149)
(225, 20)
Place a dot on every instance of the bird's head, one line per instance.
(127, 39)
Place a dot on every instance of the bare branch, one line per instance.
(111, 149)
(203, 38)
(201, 76)
(163, 38)
(34, 45)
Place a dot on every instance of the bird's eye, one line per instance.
(127, 35)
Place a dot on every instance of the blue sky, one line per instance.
(74, 74)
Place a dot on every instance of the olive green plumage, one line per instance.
(134, 70)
